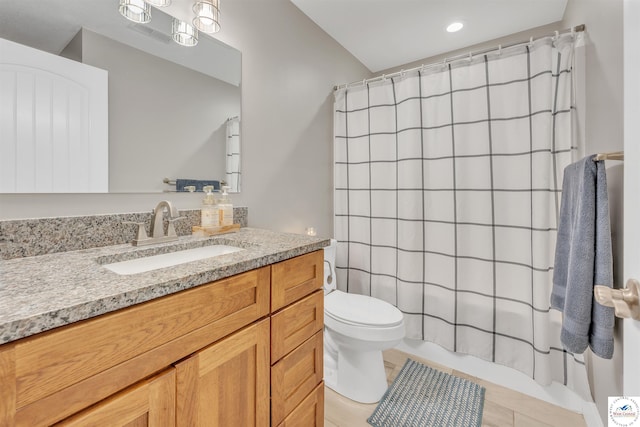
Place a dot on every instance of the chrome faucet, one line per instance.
(157, 220)
(157, 226)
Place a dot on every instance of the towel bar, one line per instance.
(626, 302)
(618, 155)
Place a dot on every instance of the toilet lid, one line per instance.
(361, 310)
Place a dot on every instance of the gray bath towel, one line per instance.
(583, 259)
(198, 183)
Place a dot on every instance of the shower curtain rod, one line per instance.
(576, 29)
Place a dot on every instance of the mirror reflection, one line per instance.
(173, 110)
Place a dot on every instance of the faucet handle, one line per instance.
(142, 232)
(171, 230)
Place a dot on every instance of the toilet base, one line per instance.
(359, 375)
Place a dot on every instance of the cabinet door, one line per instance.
(148, 403)
(55, 123)
(227, 383)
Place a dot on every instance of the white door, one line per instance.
(53, 123)
(631, 340)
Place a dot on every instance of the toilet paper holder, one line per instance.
(625, 302)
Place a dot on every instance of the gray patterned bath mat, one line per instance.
(421, 396)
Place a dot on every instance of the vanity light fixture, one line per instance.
(159, 3)
(135, 10)
(184, 34)
(455, 26)
(207, 17)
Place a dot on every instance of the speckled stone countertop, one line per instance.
(43, 292)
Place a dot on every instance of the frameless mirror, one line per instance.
(172, 109)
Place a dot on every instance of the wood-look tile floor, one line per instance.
(503, 407)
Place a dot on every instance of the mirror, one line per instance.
(170, 107)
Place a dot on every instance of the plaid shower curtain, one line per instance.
(447, 192)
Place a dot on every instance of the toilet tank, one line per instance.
(330, 266)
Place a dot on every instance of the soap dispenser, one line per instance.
(209, 212)
(225, 208)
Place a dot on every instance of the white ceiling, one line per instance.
(384, 34)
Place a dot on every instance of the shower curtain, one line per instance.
(233, 154)
(447, 192)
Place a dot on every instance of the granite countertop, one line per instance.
(43, 292)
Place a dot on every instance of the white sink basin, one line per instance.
(154, 262)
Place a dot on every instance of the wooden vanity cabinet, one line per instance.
(297, 321)
(49, 377)
(220, 354)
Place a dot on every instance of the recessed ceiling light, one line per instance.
(455, 26)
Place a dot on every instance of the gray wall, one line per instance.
(289, 69)
(604, 132)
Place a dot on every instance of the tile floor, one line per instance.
(503, 407)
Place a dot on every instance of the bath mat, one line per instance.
(422, 396)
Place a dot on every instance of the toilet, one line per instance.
(357, 328)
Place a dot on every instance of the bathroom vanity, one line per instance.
(234, 340)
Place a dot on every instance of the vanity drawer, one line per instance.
(295, 376)
(296, 323)
(296, 278)
(309, 413)
(64, 370)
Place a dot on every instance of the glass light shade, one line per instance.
(207, 17)
(184, 34)
(159, 3)
(135, 10)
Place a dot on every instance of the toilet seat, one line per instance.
(361, 310)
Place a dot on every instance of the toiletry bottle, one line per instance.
(225, 208)
(209, 211)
